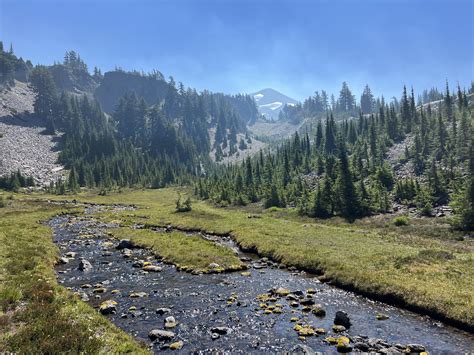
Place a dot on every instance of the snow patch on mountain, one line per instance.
(272, 106)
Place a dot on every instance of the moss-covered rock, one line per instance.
(108, 307)
(338, 328)
(178, 345)
(343, 345)
(318, 311)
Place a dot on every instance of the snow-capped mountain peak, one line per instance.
(270, 102)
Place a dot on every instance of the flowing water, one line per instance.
(200, 303)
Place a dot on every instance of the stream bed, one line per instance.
(228, 312)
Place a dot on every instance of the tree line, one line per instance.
(139, 144)
(341, 168)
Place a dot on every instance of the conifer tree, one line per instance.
(45, 89)
(73, 183)
(347, 195)
(367, 101)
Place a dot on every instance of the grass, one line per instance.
(190, 253)
(36, 314)
(422, 266)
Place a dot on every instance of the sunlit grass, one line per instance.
(372, 256)
(191, 253)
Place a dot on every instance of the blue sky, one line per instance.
(233, 46)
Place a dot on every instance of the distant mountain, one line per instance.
(270, 102)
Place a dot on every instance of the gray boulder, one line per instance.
(160, 334)
(85, 265)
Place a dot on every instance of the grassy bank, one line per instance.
(36, 314)
(423, 271)
(191, 253)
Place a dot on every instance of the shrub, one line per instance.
(400, 221)
(2, 202)
(183, 207)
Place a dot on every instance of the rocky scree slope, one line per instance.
(23, 146)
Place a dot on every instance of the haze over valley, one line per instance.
(294, 177)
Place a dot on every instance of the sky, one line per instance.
(233, 46)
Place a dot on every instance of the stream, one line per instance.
(222, 312)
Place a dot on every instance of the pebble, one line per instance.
(170, 322)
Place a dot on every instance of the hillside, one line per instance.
(101, 118)
(23, 144)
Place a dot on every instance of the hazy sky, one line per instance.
(233, 46)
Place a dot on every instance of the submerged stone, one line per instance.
(162, 311)
(381, 316)
(302, 349)
(221, 330)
